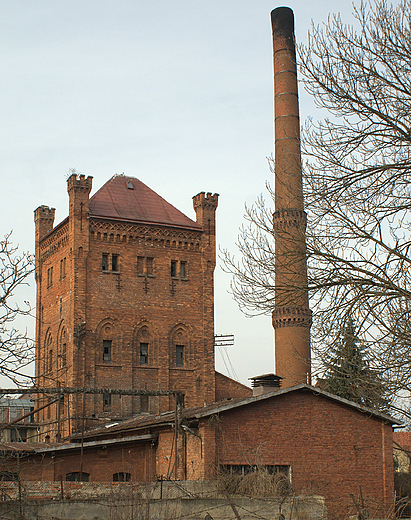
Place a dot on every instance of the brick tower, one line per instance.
(292, 316)
(124, 301)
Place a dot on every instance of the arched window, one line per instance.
(121, 476)
(144, 352)
(180, 348)
(108, 341)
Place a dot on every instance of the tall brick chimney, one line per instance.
(291, 316)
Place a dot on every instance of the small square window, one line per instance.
(104, 262)
(173, 268)
(143, 353)
(107, 350)
(180, 355)
(183, 269)
(114, 262)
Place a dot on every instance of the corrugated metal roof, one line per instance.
(127, 198)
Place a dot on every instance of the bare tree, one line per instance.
(357, 191)
(16, 348)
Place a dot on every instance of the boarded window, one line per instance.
(143, 403)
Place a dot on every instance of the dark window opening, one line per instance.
(104, 262)
(76, 476)
(121, 476)
(114, 262)
(150, 266)
(8, 476)
(143, 403)
(107, 350)
(180, 355)
(18, 435)
(140, 265)
(183, 270)
(106, 402)
(143, 353)
(173, 268)
(244, 469)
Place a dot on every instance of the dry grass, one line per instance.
(257, 483)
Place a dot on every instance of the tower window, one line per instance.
(114, 262)
(140, 265)
(104, 262)
(49, 277)
(144, 403)
(180, 355)
(106, 402)
(150, 266)
(183, 269)
(143, 353)
(173, 268)
(107, 350)
(62, 268)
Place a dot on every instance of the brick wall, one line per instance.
(332, 449)
(132, 305)
(227, 388)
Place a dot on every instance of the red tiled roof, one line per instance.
(127, 198)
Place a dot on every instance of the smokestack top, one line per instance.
(282, 22)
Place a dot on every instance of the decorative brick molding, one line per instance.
(286, 218)
(292, 317)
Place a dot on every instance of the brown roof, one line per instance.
(167, 418)
(127, 198)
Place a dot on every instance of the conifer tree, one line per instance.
(349, 375)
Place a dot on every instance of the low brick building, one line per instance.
(324, 444)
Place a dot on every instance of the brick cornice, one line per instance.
(289, 218)
(292, 316)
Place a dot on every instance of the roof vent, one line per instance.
(130, 185)
(265, 383)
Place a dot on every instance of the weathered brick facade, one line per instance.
(328, 446)
(124, 300)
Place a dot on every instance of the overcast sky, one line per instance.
(177, 93)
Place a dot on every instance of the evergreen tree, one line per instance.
(349, 375)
